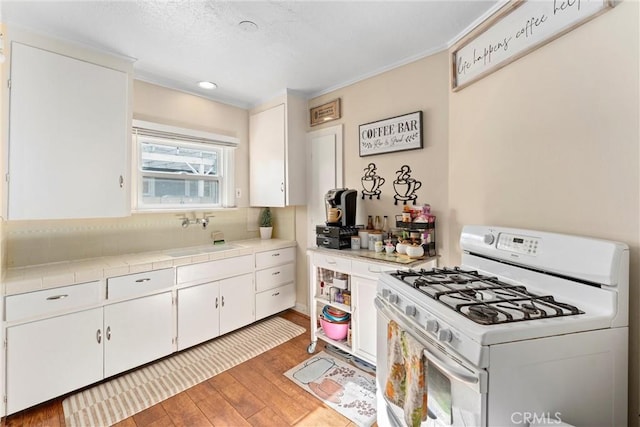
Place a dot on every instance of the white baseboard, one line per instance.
(301, 308)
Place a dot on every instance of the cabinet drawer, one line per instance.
(215, 270)
(275, 300)
(331, 262)
(50, 301)
(369, 269)
(275, 257)
(139, 283)
(274, 276)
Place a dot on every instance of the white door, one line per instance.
(51, 357)
(198, 314)
(267, 157)
(237, 302)
(136, 332)
(364, 313)
(324, 163)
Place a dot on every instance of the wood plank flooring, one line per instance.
(254, 393)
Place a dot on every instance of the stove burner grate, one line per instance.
(484, 299)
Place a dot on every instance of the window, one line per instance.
(182, 169)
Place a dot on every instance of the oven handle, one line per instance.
(432, 358)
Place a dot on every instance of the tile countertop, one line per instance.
(19, 280)
(371, 256)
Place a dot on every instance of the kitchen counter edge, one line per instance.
(19, 280)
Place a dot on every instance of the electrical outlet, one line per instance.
(238, 193)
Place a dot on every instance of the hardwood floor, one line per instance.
(254, 393)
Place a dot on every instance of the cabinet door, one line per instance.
(267, 157)
(52, 357)
(364, 313)
(237, 300)
(198, 314)
(136, 332)
(68, 141)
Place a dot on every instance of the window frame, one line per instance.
(154, 133)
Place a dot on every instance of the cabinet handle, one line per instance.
(282, 187)
(223, 300)
(121, 181)
(146, 279)
(99, 336)
(216, 302)
(275, 273)
(276, 294)
(108, 333)
(330, 262)
(276, 254)
(373, 271)
(55, 297)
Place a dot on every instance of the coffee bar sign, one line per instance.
(515, 30)
(394, 134)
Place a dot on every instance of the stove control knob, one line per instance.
(445, 335)
(432, 326)
(489, 238)
(410, 310)
(385, 293)
(392, 298)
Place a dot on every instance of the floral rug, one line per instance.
(341, 386)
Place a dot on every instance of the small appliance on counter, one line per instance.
(340, 205)
(344, 200)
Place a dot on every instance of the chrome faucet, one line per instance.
(204, 221)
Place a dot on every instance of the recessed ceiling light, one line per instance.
(248, 26)
(207, 85)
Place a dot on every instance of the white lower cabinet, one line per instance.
(67, 352)
(275, 300)
(363, 316)
(275, 281)
(62, 339)
(236, 303)
(212, 309)
(51, 357)
(198, 314)
(136, 332)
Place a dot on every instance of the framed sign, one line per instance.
(518, 28)
(395, 134)
(325, 112)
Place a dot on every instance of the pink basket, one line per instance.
(335, 331)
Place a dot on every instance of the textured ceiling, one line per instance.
(308, 46)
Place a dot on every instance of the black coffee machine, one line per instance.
(337, 235)
(345, 200)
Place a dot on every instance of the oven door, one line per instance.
(456, 391)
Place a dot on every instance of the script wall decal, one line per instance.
(515, 30)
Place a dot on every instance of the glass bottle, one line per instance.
(385, 224)
(377, 225)
(370, 223)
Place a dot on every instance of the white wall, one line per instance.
(551, 142)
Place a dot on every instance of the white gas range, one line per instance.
(531, 328)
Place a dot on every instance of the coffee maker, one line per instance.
(337, 235)
(345, 200)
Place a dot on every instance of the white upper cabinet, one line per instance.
(277, 154)
(69, 137)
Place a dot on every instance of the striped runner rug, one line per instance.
(117, 399)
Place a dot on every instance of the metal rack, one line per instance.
(422, 227)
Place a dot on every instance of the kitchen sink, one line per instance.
(177, 253)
